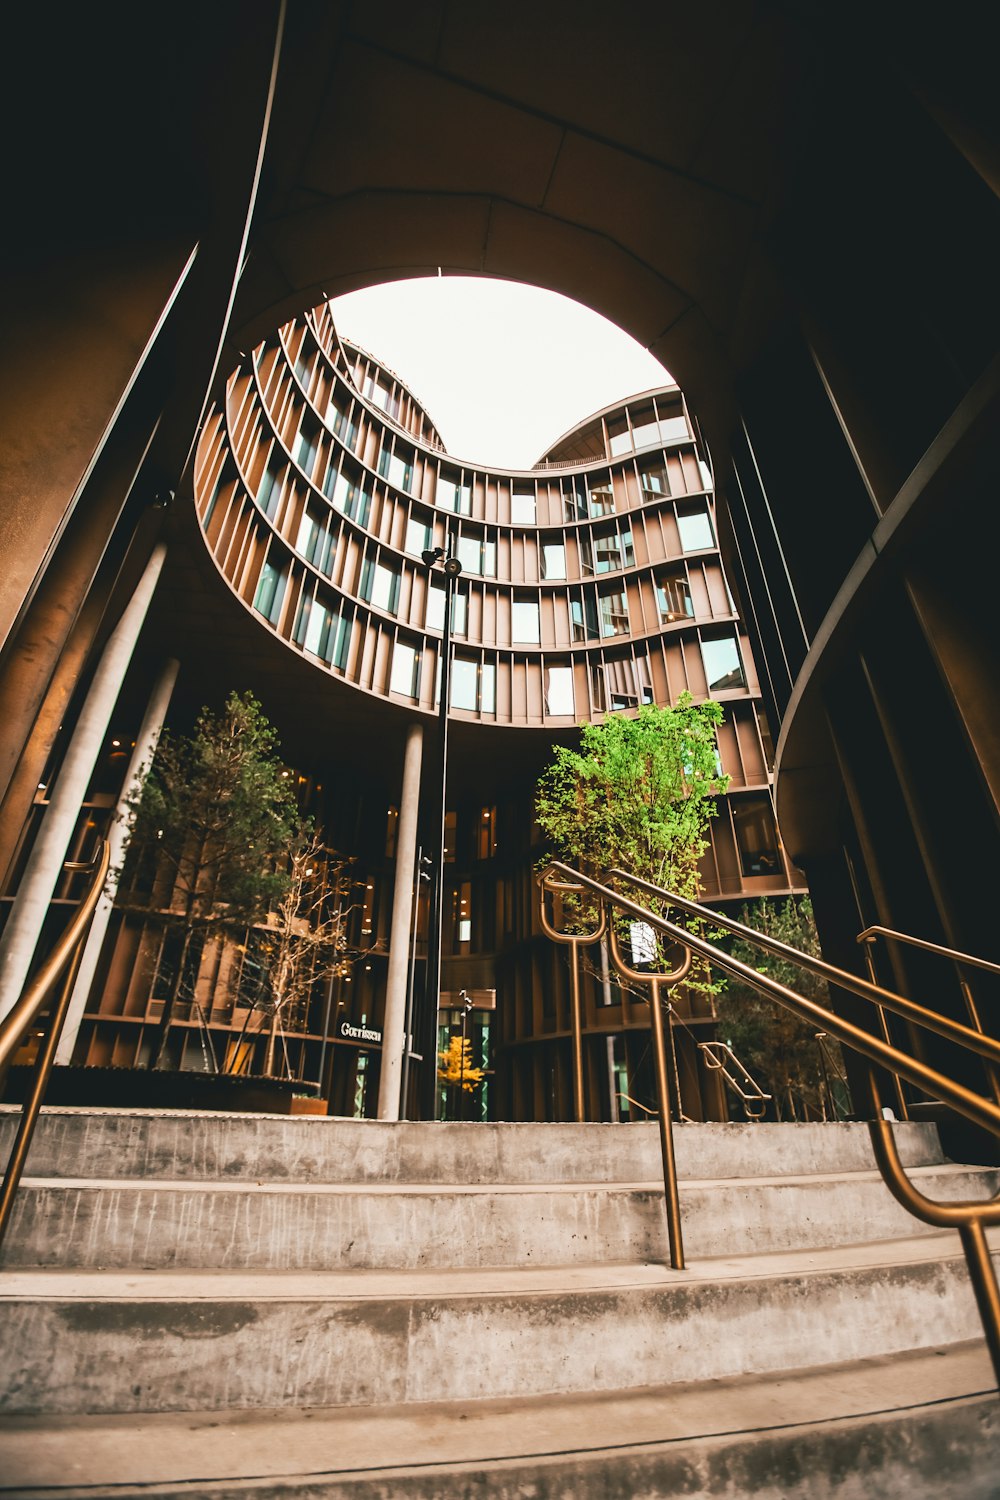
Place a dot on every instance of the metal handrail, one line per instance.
(954, 1031)
(969, 1217)
(719, 1056)
(64, 959)
(871, 933)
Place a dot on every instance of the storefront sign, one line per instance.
(348, 1032)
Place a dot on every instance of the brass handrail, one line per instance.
(876, 930)
(671, 1195)
(64, 958)
(871, 933)
(575, 942)
(718, 1056)
(965, 1036)
(970, 1217)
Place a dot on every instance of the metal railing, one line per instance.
(720, 1058)
(64, 960)
(970, 1218)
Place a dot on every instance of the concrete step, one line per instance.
(176, 1145)
(925, 1424)
(279, 1226)
(91, 1341)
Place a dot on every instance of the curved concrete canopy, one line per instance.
(626, 161)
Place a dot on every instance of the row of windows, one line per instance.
(595, 613)
(583, 497)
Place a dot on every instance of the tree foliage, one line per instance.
(639, 793)
(210, 826)
(456, 1065)
(304, 942)
(780, 1050)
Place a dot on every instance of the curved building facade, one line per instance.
(590, 584)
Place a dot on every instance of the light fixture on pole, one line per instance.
(451, 568)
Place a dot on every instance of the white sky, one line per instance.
(503, 369)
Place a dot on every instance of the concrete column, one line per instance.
(121, 827)
(400, 934)
(44, 866)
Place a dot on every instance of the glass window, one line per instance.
(583, 618)
(602, 498)
(723, 667)
(524, 621)
(453, 495)
(397, 470)
(522, 507)
(695, 527)
(351, 499)
(418, 536)
(340, 424)
(477, 555)
(380, 586)
(464, 683)
(756, 835)
(575, 506)
(305, 454)
(653, 479)
(404, 677)
(434, 616)
(269, 489)
(553, 560)
(674, 598)
(488, 688)
(486, 833)
(645, 432)
(559, 691)
(270, 592)
(619, 437)
(672, 428)
(309, 533)
(612, 551)
(614, 612)
(705, 473)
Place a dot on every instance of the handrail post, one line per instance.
(671, 1197)
(574, 987)
(32, 1105)
(982, 1274)
(64, 959)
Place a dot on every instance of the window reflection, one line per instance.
(559, 691)
(723, 667)
(695, 527)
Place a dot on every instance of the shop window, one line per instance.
(756, 835)
(723, 667)
(695, 527)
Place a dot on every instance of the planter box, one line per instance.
(137, 1088)
(302, 1106)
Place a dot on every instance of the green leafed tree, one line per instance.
(212, 824)
(639, 793)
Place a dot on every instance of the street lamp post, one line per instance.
(451, 568)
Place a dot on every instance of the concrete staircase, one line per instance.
(222, 1305)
